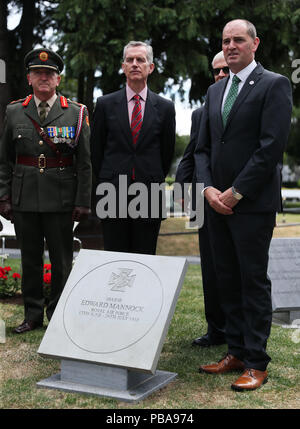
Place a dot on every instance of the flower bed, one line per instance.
(47, 280)
(10, 282)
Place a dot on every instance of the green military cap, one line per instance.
(43, 58)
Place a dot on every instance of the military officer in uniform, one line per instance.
(45, 180)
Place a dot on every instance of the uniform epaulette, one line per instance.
(27, 100)
(17, 101)
(83, 109)
(75, 102)
(63, 102)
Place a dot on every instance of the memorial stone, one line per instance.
(284, 272)
(109, 326)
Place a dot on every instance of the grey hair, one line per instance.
(218, 56)
(133, 43)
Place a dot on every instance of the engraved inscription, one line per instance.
(111, 310)
(113, 307)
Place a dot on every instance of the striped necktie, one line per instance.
(136, 119)
(230, 99)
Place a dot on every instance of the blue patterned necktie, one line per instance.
(230, 99)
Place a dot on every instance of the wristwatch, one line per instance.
(236, 194)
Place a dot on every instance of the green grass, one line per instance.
(22, 367)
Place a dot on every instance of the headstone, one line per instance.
(110, 323)
(2, 332)
(284, 272)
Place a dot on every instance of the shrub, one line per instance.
(10, 282)
(47, 280)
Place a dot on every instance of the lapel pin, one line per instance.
(251, 82)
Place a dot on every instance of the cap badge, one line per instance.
(43, 56)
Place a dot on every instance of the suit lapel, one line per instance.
(122, 114)
(123, 119)
(31, 111)
(149, 115)
(55, 112)
(219, 100)
(248, 86)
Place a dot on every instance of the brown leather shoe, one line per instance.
(251, 379)
(26, 326)
(226, 364)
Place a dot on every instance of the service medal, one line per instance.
(50, 131)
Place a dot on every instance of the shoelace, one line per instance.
(250, 373)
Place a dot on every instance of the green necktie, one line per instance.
(230, 99)
(43, 110)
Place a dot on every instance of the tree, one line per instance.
(185, 35)
(4, 55)
(14, 44)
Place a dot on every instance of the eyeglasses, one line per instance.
(225, 70)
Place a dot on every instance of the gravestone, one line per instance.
(284, 272)
(110, 323)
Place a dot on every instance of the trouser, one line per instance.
(32, 230)
(213, 311)
(241, 246)
(131, 235)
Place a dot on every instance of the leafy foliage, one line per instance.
(185, 35)
(9, 282)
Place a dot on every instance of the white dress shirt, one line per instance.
(242, 75)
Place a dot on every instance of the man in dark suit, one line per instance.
(243, 133)
(132, 142)
(45, 180)
(186, 174)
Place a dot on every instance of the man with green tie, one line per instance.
(239, 155)
(45, 180)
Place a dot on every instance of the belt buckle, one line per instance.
(42, 162)
(61, 167)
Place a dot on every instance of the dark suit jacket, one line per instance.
(248, 152)
(112, 150)
(186, 172)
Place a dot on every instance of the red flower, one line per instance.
(47, 278)
(16, 276)
(47, 267)
(7, 269)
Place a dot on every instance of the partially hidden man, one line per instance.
(186, 174)
(243, 133)
(133, 139)
(45, 180)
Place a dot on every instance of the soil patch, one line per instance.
(17, 299)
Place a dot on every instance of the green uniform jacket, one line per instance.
(54, 189)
